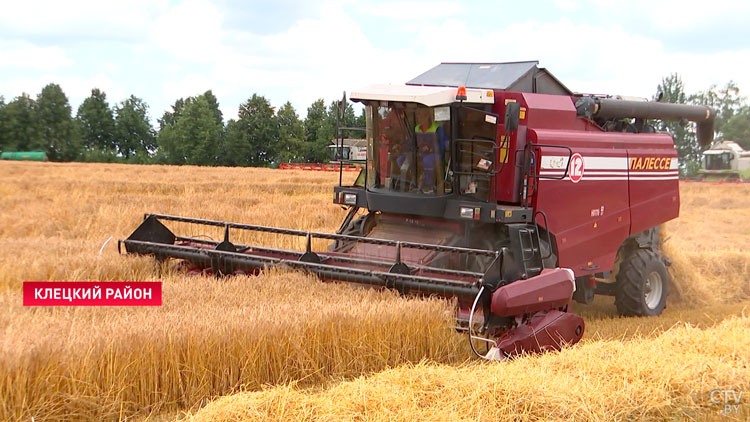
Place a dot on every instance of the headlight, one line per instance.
(467, 212)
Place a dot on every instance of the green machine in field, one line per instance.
(24, 156)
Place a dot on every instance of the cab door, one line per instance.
(475, 153)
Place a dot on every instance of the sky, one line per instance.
(299, 51)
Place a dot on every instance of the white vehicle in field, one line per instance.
(349, 150)
(725, 161)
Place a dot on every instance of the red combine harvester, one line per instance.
(492, 184)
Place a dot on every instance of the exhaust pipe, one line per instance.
(607, 108)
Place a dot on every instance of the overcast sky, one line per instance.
(299, 51)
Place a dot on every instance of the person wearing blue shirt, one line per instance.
(432, 143)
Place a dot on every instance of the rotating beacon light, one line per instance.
(461, 93)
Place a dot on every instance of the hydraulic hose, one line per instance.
(471, 328)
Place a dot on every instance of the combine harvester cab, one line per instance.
(725, 161)
(492, 185)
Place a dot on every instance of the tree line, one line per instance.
(732, 120)
(193, 131)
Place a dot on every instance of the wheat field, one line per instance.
(665, 377)
(283, 345)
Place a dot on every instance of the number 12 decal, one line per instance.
(576, 168)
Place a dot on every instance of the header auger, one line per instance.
(490, 183)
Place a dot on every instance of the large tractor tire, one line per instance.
(642, 284)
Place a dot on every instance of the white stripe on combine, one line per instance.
(603, 178)
(654, 173)
(554, 162)
(586, 173)
(622, 178)
(617, 170)
(587, 169)
(560, 162)
(595, 178)
(613, 173)
(605, 163)
(656, 178)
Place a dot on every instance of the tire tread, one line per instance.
(629, 298)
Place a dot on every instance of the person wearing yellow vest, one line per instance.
(432, 143)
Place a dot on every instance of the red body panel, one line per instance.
(654, 184)
(627, 183)
(592, 217)
(550, 289)
(538, 111)
(545, 331)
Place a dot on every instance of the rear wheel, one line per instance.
(642, 284)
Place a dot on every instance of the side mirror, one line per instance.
(512, 116)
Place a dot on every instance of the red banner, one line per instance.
(91, 293)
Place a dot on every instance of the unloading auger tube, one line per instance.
(608, 108)
(525, 315)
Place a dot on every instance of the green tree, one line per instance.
(732, 112)
(97, 124)
(317, 129)
(252, 140)
(672, 90)
(737, 127)
(291, 135)
(169, 117)
(347, 119)
(56, 124)
(320, 128)
(134, 134)
(361, 122)
(2, 123)
(169, 151)
(213, 104)
(175, 148)
(20, 126)
(236, 150)
(196, 135)
(726, 100)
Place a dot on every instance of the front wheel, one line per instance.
(642, 284)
